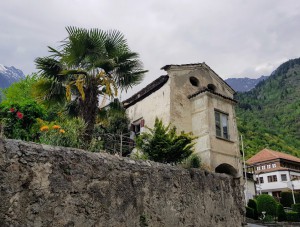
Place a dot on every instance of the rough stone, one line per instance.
(55, 186)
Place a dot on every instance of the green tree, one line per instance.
(89, 63)
(266, 203)
(21, 91)
(112, 128)
(162, 144)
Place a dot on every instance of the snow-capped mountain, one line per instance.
(9, 75)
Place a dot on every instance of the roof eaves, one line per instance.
(146, 91)
(204, 89)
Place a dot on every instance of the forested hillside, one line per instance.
(269, 115)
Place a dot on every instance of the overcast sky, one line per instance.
(236, 38)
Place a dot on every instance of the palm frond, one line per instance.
(49, 68)
(49, 91)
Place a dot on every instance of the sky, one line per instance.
(236, 38)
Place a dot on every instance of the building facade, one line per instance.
(275, 172)
(195, 99)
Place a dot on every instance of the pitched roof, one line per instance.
(267, 155)
(146, 91)
(205, 89)
(166, 67)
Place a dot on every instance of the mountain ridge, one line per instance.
(244, 84)
(9, 75)
(269, 115)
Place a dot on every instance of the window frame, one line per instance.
(285, 176)
(221, 118)
(272, 178)
(261, 180)
(137, 127)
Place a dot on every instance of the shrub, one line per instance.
(292, 216)
(252, 204)
(249, 212)
(18, 119)
(67, 133)
(296, 207)
(193, 161)
(286, 198)
(280, 213)
(266, 203)
(268, 218)
(162, 144)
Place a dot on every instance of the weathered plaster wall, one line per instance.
(155, 105)
(53, 186)
(212, 150)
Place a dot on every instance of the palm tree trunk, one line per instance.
(88, 108)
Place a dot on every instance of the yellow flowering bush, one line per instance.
(68, 133)
(56, 127)
(44, 128)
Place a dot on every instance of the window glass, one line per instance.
(283, 177)
(221, 120)
(224, 126)
(218, 124)
(261, 180)
(272, 178)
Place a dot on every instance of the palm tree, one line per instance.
(89, 63)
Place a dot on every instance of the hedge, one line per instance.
(292, 216)
(249, 212)
(286, 198)
(280, 213)
(252, 204)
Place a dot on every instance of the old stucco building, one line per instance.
(195, 99)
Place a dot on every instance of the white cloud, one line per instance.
(234, 37)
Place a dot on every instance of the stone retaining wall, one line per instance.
(55, 186)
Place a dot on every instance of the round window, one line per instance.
(211, 87)
(194, 81)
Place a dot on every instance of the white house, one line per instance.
(195, 99)
(275, 172)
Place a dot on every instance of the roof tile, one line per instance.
(267, 155)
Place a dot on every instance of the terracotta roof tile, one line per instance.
(267, 155)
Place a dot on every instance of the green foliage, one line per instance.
(162, 144)
(280, 213)
(89, 63)
(69, 133)
(112, 126)
(252, 204)
(296, 207)
(21, 91)
(138, 155)
(286, 198)
(268, 115)
(193, 161)
(249, 212)
(269, 218)
(266, 203)
(18, 119)
(292, 216)
(143, 221)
